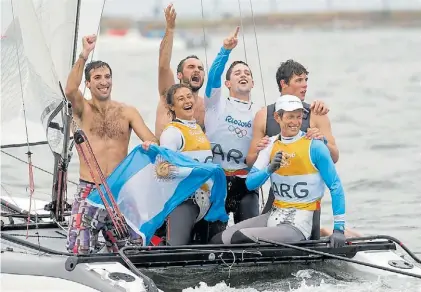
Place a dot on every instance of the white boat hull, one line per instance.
(31, 272)
(22, 265)
(384, 258)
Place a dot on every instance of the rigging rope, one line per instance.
(29, 153)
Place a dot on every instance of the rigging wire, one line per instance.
(34, 166)
(260, 65)
(29, 153)
(258, 52)
(242, 31)
(204, 37)
(97, 34)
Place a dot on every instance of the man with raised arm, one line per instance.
(229, 122)
(190, 71)
(107, 125)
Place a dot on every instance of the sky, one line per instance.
(138, 9)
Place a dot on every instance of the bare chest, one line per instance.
(110, 124)
(199, 112)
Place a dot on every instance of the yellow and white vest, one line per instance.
(297, 185)
(197, 146)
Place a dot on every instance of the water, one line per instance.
(370, 79)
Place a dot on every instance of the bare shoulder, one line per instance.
(200, 100)
(260, 116)
(126, 108)
(262, 112)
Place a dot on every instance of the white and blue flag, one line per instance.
(149, 184)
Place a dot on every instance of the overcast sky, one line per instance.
(145, 8)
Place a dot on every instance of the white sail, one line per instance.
(58, 22)
(37, 44)
(37, 52)
(27, 74)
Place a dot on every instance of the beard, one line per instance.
(194, 89)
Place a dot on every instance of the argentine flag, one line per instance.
(149, 184)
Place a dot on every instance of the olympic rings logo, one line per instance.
(239, 132)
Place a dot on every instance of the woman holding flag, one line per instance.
(184, 135)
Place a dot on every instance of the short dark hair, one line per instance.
(170, 97)
(287, 69)
(95, 65)
(180, 66)
(231, 67)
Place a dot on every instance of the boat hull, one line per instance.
(42, 254)
(50, 271)
(387, 259)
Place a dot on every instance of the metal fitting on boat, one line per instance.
(71, 263)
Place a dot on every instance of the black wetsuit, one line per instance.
(184, 230)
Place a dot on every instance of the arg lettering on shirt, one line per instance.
(298, 190)
(206, 160)
(232, 154)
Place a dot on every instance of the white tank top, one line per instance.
(229, 125)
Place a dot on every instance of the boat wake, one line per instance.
(306, 281)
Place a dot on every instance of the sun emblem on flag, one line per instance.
(164, 171)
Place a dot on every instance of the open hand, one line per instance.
(232, 41)
(170, 16)
(319, 107)
(263, 143)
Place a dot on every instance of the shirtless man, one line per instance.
(107, 125)
(190, 71)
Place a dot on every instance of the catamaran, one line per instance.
(38, 48)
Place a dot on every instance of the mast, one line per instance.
(58, 205)
(76, 32)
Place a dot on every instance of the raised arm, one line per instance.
(165, 74)
(214, 84)
(72, 92)
(320, 157)
(139, 126)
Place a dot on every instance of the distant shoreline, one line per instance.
(340, 19)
